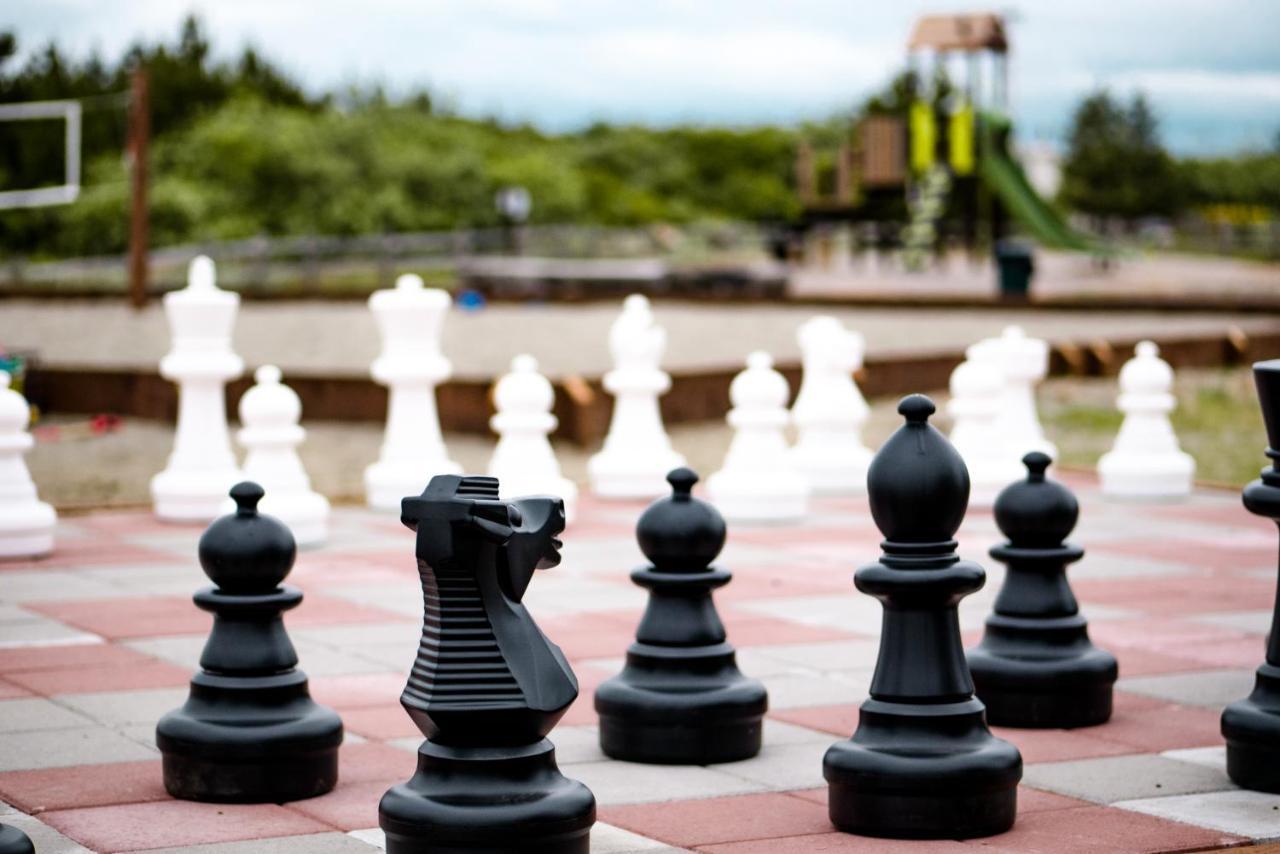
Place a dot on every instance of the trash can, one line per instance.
(1015, 264)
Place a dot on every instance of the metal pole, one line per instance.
(139, 133)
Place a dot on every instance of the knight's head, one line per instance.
(454, 508)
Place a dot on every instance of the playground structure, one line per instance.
(934, 172)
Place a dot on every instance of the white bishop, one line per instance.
(1145, 461)
(637, 453)
(759, 481)
(26, 522)
(270, 433)
(409, 317)
(523, 460)
(830, 410)
(201, 469)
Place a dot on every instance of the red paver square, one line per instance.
(77, 655)
(597, 635)
(82, 680)
(44, 789)
(163, 824)
(1156, 633)
(347, 807)
(1149, 725)
(380, 722)
(1185, 594)
(1224, 553)
(357, 691)
(837, 843)
(88, 552)
(1099, 830)
(1053, 745)
(1135, 661)
(706, 822)
(583, 710)
(10, 691)
(752, 630)
(374, 762)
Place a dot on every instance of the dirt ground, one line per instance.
(1217, 420)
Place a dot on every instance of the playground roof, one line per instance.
(968, 33)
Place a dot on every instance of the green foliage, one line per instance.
(1115, 164)
(1249, 179)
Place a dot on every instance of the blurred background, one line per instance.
(952, 168)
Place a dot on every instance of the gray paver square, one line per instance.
(1209, 688)
(1124, 778)
(1252, 814)
(1209, 757)
(783, 767)
(45, 839)
(607, 839)
(317, 659)
(314, 843)
(797, 690)
(55, 585)
(121, 708)
(1108, 566)
(42, 631)
(631, 783)
(36, 713)
(1251, 622)
(59, 748)
(825, 655)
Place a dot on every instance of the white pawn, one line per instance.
(270, 434)
(409, 318)
(26, 522)
(977, 389)
(759, 481)
(201, 469)
(1025, 362)
(637, 453)
(1145, 461)
(829, 410)
(523, 460)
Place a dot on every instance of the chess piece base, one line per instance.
(487, 800)
(1251, 728)
(249, 740)
(14, 841)
(386, 483)
(639, 476)
(681, 707)
(191, 496)
(28, 533)
(828, 474)
(922, 772)
(759, 499)
(1152, 477)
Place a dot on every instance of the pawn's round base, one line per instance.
(1251, 728)
(14, 841)
(915, 772)
(18, 545)
(249, 740)
(1040, 693)
(486, 801)
(1143, 477)
(681, 707)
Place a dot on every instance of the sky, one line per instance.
(1211, 67)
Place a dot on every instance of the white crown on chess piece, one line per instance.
(1146, 461)
(410, 318)
(977, 390)
(523, 460)
(759, 481)
(830, 411)
(270, 412)
(637, 452)
(194, 484)
(1025, 362)
(26, 522)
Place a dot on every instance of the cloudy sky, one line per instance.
(1212, 67)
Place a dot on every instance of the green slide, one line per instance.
(1005, 177)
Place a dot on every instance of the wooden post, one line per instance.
(139, 133)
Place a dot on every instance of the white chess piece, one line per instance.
(977, 389)
(26, 522)
(759, 481)
(830, 410)
(409, 317)
(270, 434)
(637, 453)
(201, 469)
(523, 460)
(1145, 461)
(1026, 362)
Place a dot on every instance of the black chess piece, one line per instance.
(249, 731)
(922, 763)
(14, 841)
(1035, 666)
(487, 685)
(681, 699)
(1251, 726)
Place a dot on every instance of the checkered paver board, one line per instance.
(98, 640)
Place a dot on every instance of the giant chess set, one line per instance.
(828, 648)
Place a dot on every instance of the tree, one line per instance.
(1116, 165)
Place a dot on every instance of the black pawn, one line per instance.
(1035, 666)
(681, 699)
(249, 731)
(922, 763)
(1251, 726)
(14, 841)
(487, 685)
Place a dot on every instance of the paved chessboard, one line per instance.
(97, 641)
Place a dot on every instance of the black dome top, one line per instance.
(917, 484)
(681, 533)
(247, 552)
(1036, 512)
